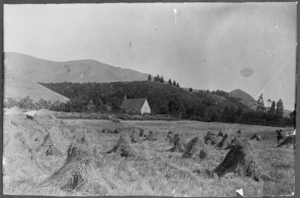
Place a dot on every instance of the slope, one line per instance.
(40, 70)
(17, 87)
(245, 98)
(162, 98)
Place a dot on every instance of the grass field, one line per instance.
(152, 171)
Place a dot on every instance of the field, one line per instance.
(153, 170)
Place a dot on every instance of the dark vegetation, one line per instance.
(164, 99)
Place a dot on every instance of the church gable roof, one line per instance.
(133, 103)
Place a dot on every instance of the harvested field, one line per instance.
(75, 158)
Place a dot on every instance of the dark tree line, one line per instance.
(165, 99)
(159, 78)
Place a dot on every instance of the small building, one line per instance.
(139, 106)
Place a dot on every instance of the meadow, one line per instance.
(153, 170)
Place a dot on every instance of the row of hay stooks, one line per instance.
(238, 162)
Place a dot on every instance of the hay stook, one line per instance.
(224, 143)
(279, 136)
(169, 136)
(122, 148)
(288, 141)
(150, 136)
(135, 138)
(72, 175)
(220, 134)
(210, 137)
(141, 134)
(195, 148)
(48, 148)
(178, 143)
(256, 137)
(239, 161)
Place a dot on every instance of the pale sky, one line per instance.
(251, 46)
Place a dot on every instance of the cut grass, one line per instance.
(154, 170)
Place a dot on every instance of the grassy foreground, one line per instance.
(152, 171)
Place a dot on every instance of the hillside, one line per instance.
(245, 98)
(156, 93)
(17, 88)
(40, 70)
(163, 98)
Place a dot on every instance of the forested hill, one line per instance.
(163, 98)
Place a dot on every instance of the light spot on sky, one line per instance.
(175, 13)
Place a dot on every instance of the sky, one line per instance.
(225, 46)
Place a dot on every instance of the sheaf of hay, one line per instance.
(178, 143)
(240, 161)
(122, 148)
(195, 148)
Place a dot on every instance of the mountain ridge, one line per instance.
(84, 70)
(246, 98)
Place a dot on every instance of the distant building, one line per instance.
(140, 105)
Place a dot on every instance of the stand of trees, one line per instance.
(163, 99)
(161, 79)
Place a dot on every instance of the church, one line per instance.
(138, 105)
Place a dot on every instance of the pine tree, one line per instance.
(177, 85)
(157, 78)
(260, 104)
(162, 79)
(115, 103)
(279, 109)
(170, 81)
(272, 108)
(191, 90)
(98, 103)
(174, 83)
(149, 77)
(42, 104)
(239, 111)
